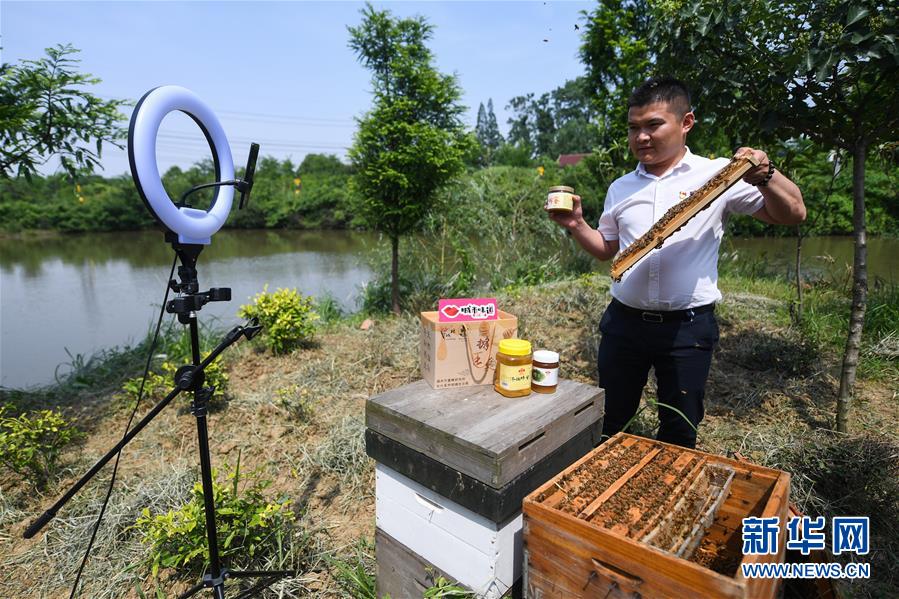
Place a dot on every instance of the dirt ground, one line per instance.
(299, 419)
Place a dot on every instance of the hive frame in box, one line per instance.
(569, 555)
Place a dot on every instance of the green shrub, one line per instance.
(159, 384)
(247, 522)
(287, 318)
(30, 445)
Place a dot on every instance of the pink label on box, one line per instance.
(454, 310)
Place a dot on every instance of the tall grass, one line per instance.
(490, 232)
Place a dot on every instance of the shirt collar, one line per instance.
(685, 163)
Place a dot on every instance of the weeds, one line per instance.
(247, 523)
(445, 589)
(117, 547)
(30, 444)
(836, 475)
(356, 574)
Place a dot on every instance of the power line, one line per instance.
(243, 115)
(175, 138)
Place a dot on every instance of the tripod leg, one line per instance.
(199, 408)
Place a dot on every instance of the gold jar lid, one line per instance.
(564, 188)
(515, 347)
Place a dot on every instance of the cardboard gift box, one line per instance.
(462, 353)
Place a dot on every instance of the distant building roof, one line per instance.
(570, 159)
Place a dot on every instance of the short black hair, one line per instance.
(662, 89)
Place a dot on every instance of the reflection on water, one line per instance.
(144, 249)
(821, 256)
(88, 292)
(82, 293)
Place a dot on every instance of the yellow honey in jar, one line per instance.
(513, 368)
(560, 199)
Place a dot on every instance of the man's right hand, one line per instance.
(569, 220)
(587, 237)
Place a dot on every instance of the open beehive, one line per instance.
(640, 516)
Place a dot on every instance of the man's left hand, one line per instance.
(756, 174)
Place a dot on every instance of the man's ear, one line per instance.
(688, 121)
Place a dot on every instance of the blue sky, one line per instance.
(281, 73)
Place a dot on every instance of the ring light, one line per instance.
(192, 226)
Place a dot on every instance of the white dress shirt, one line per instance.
(684, 272)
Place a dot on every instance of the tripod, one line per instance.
(188, 378)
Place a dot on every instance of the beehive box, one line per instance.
(496, 504)
(481, 554)
(480, 433)
(401, 571)
(597, 528)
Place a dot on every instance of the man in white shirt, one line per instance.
(662, 311)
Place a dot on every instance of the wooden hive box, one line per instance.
(585, 530)
(482, 555)
(479, 433)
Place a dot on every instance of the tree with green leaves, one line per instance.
(617, 54)
(492, 135)
(827, 71)
(558, 122)
(487, 133)
(771, 72)
(412, 141)
(45, 111)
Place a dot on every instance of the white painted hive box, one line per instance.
(478, 553)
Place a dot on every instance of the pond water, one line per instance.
(77, 294)
(82, 293)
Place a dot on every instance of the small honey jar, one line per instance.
(513, 368)
(545, 373)
(560, 199)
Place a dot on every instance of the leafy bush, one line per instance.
(159, 384)
(288, 318)
(30, 445)
(247, 523)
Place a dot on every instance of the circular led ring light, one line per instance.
(191, 225)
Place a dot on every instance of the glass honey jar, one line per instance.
(545, 373)
(513, 368)
(560, 199)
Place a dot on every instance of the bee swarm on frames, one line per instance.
(681, 213)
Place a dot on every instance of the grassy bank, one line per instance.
(296, 420)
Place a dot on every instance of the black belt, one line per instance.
(663, 315)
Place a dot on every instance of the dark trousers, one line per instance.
(679, 348)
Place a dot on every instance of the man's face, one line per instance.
(656, 134)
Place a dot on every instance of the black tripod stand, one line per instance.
(188, 378)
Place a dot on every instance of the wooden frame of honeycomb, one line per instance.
(681, 213)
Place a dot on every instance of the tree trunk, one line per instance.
(395, 274)
(797, 311)
(859, 287)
